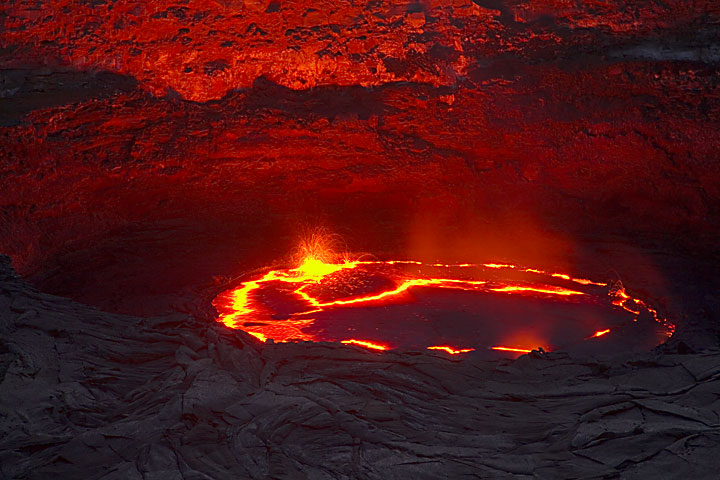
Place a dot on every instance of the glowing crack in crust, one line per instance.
(600, 333)
(510, 349)
(451, 350)
(237, 305)
(363, 343)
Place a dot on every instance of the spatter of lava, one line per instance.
(284, 304)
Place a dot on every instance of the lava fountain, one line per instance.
(452, 308)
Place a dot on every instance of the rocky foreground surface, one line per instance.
(87, 394)
(478, 130)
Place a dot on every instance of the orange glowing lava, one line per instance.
(363, 343)
(510, 349)
(600, 333)
(283, 304)
(450, 350)
(548, 290)
(259, 336)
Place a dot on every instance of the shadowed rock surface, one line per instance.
(87, 394)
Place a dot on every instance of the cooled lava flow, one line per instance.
(381, 305)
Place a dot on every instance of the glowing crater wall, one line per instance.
(155, 147)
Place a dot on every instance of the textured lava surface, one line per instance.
(202, 50)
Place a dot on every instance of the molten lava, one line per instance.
(381, 305)
(450, 350)
(363, 343)
(510, 349)
(600, 333)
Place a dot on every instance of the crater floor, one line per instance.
(459, 308)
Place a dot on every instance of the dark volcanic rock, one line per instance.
(86, 394)
(25, 90)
